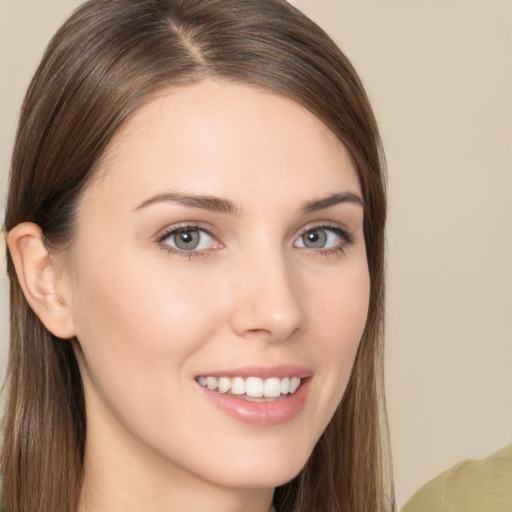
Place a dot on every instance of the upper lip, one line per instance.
(264, 372)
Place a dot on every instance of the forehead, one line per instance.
(226, 139)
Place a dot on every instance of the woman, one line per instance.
(195, 230)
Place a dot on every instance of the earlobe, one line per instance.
(38, 278)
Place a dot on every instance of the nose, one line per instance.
(267, 302)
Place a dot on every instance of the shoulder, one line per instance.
(483, 485)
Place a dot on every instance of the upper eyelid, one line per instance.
(335, 226)
(164, 233)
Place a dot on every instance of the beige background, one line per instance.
(439, 74)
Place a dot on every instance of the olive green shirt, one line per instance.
(472, 486)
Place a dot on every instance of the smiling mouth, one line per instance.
(253, 389)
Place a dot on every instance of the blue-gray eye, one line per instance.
(319, 238)
(190, 239)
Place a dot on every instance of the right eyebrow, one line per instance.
(205, 202)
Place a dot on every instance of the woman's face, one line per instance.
(220, 245)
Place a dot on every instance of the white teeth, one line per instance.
(252, 387)
(294, 384)
(272, 387)
(224, 384)
(211, 382)
(285, 385)
(238, 386)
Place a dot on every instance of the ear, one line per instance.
(39, 278)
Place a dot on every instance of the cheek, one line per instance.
(138, 337)
(341, 305)
(138, 308)
(133, 324)
(342, 311)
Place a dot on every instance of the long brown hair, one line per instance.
(107, 60)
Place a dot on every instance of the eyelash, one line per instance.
(346, 237)
(179, 252)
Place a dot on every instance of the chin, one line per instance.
(262, 469)
(268, 478)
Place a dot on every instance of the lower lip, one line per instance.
(260, 413)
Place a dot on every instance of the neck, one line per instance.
(112, 495)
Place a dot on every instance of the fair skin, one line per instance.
(267, 279)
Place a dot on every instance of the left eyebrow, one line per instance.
(332, 200)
